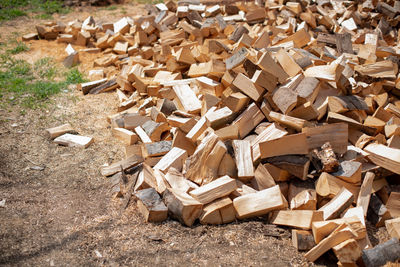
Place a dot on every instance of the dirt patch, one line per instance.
(64, 215)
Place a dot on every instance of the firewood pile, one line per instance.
(288, 110)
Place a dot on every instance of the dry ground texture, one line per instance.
(64, 215)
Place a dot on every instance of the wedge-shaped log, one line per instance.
(260, 203)
(262, 178)
(158, 149)
(151, 206)
(219, 211)
(218, 188)
(154, 130)
(338, 204)
(286, 145)
(126, 136)
(296, 218)
(393, 204)
(244, 84)
(244, 162)
(296, 165)
(182, 206)
(248, 120)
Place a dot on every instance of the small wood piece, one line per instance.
(259, 203)
(262, 178)
(142, 135)
(151, 206)
(72, 140)
(296, 165)
(302, 240)
(329, 186)
(218, 188)
(386, 157)
(182, 206)
(325, 159)
(338, 204)
(336, 134)
(244, 84)
(59, 130)
(158, 149)
(248, 120)
(296, 218)
(243, 159)
(220, 211)
(187, 98)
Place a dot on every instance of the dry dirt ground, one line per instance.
(64, 215)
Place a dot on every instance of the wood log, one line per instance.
(143, 135)
(322, 229)
(59, 130)
(291, 122)
(182, 206)
(243, 159)
(329, 186)
(265, 80)
(336, 134)
(248, 120)
(72, 140)
(365, 192)
(349, 171)
(126, 164)
(267, 64)
(296, 218)
(285, 98)
(158, 149)
(325, 159)
(174, 158)
(286, 145)
(348, 251)
(342, 233)
(220, 211)
(302, 240)
(155, 130)
(271, 132)
(126, 136)
(262, 178)
(386, 157)
(151, 206)
(393, 204)
(377, 212)
(294, 164)
(393, 227)
(382, 253)
(244, 84)
(338, 204)
(305, 200)
(259, 203)
(176, 180)
(187, 98)
(218, 188)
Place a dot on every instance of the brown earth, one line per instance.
(64, 215)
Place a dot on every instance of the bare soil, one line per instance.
(64, 215)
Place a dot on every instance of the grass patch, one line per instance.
(31, 86)
(20, 47)
(10, 9)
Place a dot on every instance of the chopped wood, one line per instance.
(127, 163)
(393, 227)
(348, 251)
(243, 159)
(337, 205)
(383, 253)
(72, 140)
(296, 218)
(220, 211)
(59, 130)
(151, 206)
(365, 192)
(302, 240)
(259, 203)
(218, 188)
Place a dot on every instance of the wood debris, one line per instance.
(231, 106)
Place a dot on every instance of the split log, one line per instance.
(243, 159)
(182, 206)
(126, 136)
(381, 254)
(302, 240)
(393, 204)
(348, 251)
(294, 164)
(59, 130)
(286, 145)
(365, 192)
(220, 211)
(296, 218)
(386, 157)
(262, 178)
(125, 164)
(349, 171)
(174, 158)
(338, 204)
(260, 203)
(72, 140)
(158, 149)
(218, 188)
(322, 229)
(393, 227)
(151, 206)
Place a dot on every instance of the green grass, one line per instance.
(31, 86)
(20, 47)
(10, 9)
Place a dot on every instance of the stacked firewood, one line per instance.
(288, 110)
